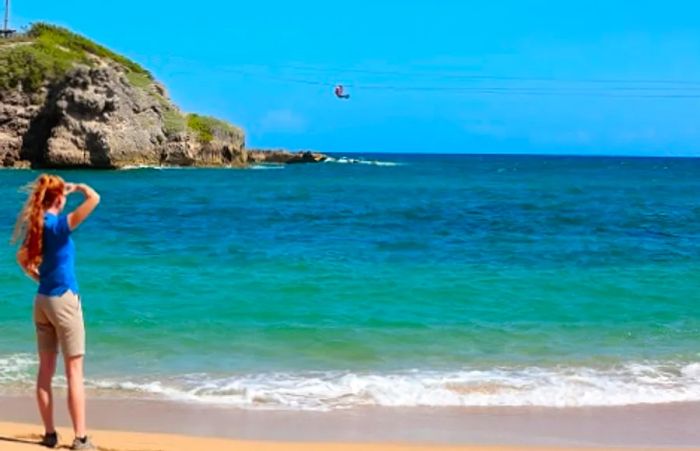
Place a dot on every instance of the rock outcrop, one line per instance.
(17, 114)
(95, 118)
(101, 121)
(68, 102)
(285, 156)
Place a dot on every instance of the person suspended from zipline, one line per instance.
(340, 92)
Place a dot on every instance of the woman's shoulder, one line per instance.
(57, 223)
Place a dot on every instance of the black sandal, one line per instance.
(49, 440)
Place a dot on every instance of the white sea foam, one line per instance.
(631, 383)
(140, 166)
(691, 370)
(634, 383)
(347, 160)
(16, 368)
(154, 167)
(266, 166)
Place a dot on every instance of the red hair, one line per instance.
(30, 222)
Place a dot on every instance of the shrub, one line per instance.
(207, 127)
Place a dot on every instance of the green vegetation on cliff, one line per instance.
(46, 52)
(206, 128)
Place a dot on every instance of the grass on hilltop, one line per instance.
(46, 52)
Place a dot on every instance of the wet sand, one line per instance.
(637, 427)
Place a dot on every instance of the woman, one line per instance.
(47, 255)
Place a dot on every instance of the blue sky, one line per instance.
(269, 66)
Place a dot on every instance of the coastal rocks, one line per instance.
(102, 122)
(95, 117)
(185, 150)
(284, 156)
(178, 152)
(16, 114)
(307, 157)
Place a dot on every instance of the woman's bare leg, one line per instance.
(76, 393)
(44, 394)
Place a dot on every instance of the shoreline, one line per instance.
(22, 437)
(662, 426)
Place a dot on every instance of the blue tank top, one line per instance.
(57, 269)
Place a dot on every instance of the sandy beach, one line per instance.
(15, 436)
(19, 437)
(160, 425)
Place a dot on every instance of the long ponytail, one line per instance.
(29, 227)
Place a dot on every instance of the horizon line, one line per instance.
(504, 154)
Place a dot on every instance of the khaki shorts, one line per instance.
(59, 319)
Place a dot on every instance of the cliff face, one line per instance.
(17, 112)
(98, 111)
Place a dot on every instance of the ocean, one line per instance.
(382, 280)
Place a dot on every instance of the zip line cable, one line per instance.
(615, 91)
(487, 77)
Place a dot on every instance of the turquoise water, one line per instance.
(391, 280)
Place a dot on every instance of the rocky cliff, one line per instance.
(68, 102)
